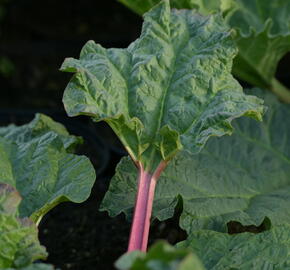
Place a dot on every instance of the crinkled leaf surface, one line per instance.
(40, 168)
(40, 125)
(244, 251)
(19, 245)
(160, 256)
(170, 89)
(263, 34)
(243, 177)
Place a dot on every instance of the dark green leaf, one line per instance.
(19, 245)
(38, 165)
(161, 256)
(244, 178)
(244, 251)
(170, 89)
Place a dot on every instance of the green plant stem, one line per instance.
(280, 90)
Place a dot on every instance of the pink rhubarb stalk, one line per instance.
(143, 208)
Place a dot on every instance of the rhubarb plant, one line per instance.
(262, 34)
(168, 92)
(251, 168)
(236, 184)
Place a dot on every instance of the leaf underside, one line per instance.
(34, 160)
(243, 178)
(169, 90)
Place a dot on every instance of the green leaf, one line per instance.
(40, 125)
(38, 165)
(263, 38)
(170, 89)
(160, 256)
(19, 245)
(244, 251)
(243, 177)
(262, 35)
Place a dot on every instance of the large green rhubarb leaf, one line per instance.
(262, 36)
(19, 245)
(160, 256)
(244, 177)
(169, 90)
(244, 251)
(38, 165)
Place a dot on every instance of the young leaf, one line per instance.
(169, 90)
(244, 177)
(38, 165)
(18, 237)
(243, 251)
(160, 256)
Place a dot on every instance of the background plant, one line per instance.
(38, 171)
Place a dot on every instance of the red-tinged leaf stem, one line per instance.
(143, 207)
